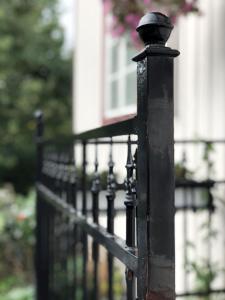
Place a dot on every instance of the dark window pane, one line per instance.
(114, 94)
(131, 88)
(131, 52)
(114, 58)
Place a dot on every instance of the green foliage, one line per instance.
(118, 286)
(204, 270)
(208, 151)
(34, 74)
(20, 293)
(182, 172)
(17, 224)
(205, 274)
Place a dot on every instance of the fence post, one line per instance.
(155, 161)
(41, 247)
(39, 143)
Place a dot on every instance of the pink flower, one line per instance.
(187, 7)
(117, 30)
(174, 18)
(125, 17)
(132, 20)
(147, 2)
(107, 6)
(21, 217)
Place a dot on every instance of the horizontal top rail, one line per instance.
(112, 130)
(116, 129)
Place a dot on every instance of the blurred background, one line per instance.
(36, 49)
(72, 59)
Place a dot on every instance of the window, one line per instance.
(121, 79)
(121, 86)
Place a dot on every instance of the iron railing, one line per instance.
(200, 210)
(78, 205)
(63, 230)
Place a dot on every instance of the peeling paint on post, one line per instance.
(155, 209)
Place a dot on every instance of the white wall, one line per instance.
(201, 69)
(200, 79)
(88, 65)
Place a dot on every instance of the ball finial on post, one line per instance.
(154, 28)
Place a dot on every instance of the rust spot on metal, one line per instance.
(158, 296)
(129, 274)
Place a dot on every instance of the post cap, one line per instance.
(154, 28)
(38, 114)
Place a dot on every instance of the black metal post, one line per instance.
(155, 161)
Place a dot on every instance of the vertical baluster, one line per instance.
(95, 189)
(45, 170)
(54, 221)
(57, 245)
(69, 227)
(185, 221)
(111, 186)
(84, 212)
(64, 234)
(60, 175)
(48, 170)
(54, 173)
(51, 227)
(46, 219)
(64, 177)
(130, 217)
(67, 224)
(48, 245)
(73, 181)
(211, 209)
(51, 250)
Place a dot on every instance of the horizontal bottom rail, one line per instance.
(114, 244)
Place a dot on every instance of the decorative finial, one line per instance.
(154, 28)
(38, 114)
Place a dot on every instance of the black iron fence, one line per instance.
(62, 229)
(105, 198)
(200, 211)
(198, 197)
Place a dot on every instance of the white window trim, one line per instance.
(124, 70)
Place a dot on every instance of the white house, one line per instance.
(105, 83)
(200, 71)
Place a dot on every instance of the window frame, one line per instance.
(120, 76)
